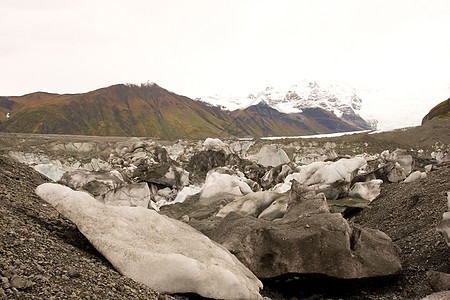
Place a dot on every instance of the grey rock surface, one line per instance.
(308, 240)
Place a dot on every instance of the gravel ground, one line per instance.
(409, 213)
(44, 256)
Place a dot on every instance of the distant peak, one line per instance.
(146, 84)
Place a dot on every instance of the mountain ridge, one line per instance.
(341, 100)
(150, 110)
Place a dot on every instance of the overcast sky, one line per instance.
(393, 50)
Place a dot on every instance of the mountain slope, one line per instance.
(264, 120)
(440, 111)
(149, 110)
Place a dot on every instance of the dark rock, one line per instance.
(379, 173)
(275, 175)
(21, 283)
(204, 161)
(308, 240)
(73, 273)
(96, 183)
(335, 190)
(5, 283)
(9, 272)
(347, 206)
(3, 295)
(439, 281)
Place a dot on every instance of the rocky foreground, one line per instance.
(383, 243)
(44, 256)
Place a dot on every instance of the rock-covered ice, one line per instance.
(323, 173)
(341, 170)
(216, 145)
(415, 176)
(186, 192)
(368, 190)
(218, 183)
(251, 204)
(137, 194)
(54, 171)
(270, 156)
(165, 254)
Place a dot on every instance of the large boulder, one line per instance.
(165, 254)
(54, 171)
(277, 209)
(218, 183)
(96, 183)
(332, 178)
(186, 192)
(216, 145)
(396, 174)
(342, 170)
(415, 176)
(251, 204)
(196, 208)
(270, 156)
(308, 240)
(203, 161)
(368, 190)
(401, 157)
(165, 174)
(444, 295)
(439, 281)
(137, 194)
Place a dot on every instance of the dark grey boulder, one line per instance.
(439, 281)
(309, 240)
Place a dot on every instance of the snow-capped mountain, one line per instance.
(339, 99)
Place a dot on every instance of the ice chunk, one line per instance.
(163, 253)
(217, 183)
